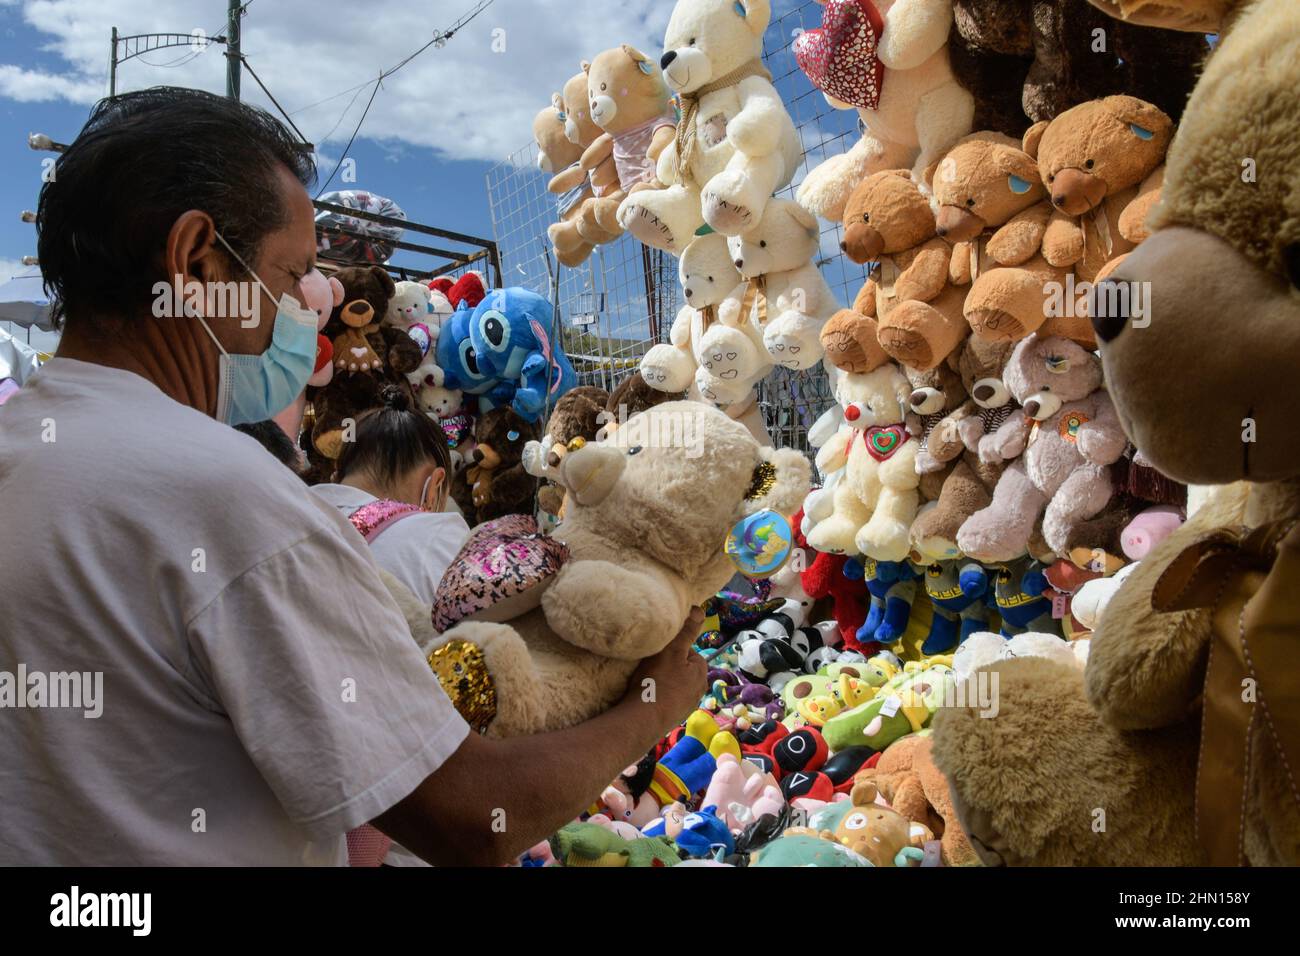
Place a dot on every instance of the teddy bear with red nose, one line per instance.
(1063, 446)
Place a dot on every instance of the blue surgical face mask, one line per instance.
(253, 388)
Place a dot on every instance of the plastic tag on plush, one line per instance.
(761, 543)
(840, 58)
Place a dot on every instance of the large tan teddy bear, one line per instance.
(876, 498)
(647, 513)
(1179, 744)
(911, 297)
(735, 142)
(921, 110)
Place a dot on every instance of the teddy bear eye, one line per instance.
(762, 243)
(710, 278)
(866, 217)
(634, 450)
(692, 42)
(1051, 178)
(1089, 164)
(970, 202)
(603, 87)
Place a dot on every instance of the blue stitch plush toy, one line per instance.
(510, 340)
(460, 364)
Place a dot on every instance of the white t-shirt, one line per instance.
(261, 694)
(415, 549)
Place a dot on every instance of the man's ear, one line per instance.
(192, 250)
(1033, 136)
(780, 481)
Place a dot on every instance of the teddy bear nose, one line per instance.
(852, 413)
(1108, 310)
(1031, 407)
(740, 263)
(687, 291)
(983, 392)
(666, 59)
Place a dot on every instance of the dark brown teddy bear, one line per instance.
(578, 414)
(367, 356)
(493, 482)
(1030, 60)
(969, 482)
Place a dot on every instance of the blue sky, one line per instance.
(436, 127)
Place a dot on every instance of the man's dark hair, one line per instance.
(271, 436)
(140, 161)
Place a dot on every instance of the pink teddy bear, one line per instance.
(741, 792)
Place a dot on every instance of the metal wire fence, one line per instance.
(623, 299)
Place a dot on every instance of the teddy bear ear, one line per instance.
(928, 175)
(634, 54)
(780, 481)
(586, 66)
(1146, 120)
(1033, 136)
(384, 279)
(804, 218)
(557, 104)
(756, 14)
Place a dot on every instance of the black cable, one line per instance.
(339, 165)
(244, 59)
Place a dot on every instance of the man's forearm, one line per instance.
(493, 799)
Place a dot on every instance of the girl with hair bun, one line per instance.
(391, 482)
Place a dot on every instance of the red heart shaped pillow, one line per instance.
(840, 57)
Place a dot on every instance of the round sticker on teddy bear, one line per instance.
(759, 544)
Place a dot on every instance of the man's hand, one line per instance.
(674, 679)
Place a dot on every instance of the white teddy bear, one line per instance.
(922, 111)
(775, 260)
(740, 144)
(409, 304)
(706, 274)
(874, 503)
(985, 647)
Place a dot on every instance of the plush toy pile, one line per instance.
(999, 608)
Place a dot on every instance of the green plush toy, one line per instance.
(902, 706)
(589, 844)
(803, 850)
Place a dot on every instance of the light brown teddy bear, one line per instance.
(1179, 745)
(905, 775)
(648, 510)
(918, 311)
(632, 104)
(557, 155)
(1102, 162)
(994, 209)
(597, 222)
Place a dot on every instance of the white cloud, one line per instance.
(468, 100)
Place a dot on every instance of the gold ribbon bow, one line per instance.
(1250, 579)
(685, 142)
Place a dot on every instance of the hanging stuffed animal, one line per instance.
(735, 144)
(913, 112)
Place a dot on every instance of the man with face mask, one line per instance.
(200, 664)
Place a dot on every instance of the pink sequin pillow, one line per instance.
(500, 573)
